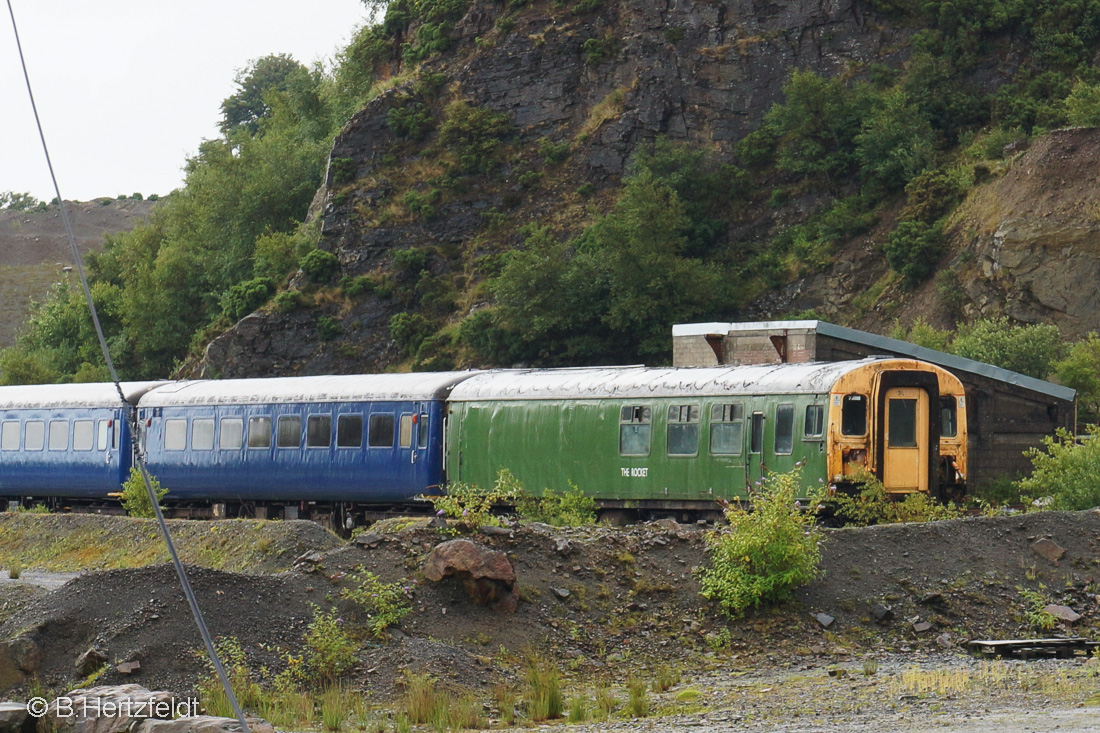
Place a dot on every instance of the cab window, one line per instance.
(853, 415)
(949, 416)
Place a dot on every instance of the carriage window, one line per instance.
(853, 415)
(34, 436)
(175, 434)
(9, 435)
(202, 433)
(757, 440)
(83, 434)
(406, 431)
(289, 433)
(423, 439)
(349, 431)
(231, 436)
(726, 425)
(903, 424)
(59, 434)
(634, 430)
(319, 431)
(784, 429)
(259, 432)
(949, 416)
(103, 435)
(381, 431)
(683, 430)
(815, 421)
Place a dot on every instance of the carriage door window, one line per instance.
(422, 440)
(815, 421)
(83, 434)
(634, 430)
(757, 443)
(949, 416)
(726, 424)
(683, 430)
(784, 429)
(853, 415)
(903, 423)
(103, 435)
(9, 435)
(406, 431)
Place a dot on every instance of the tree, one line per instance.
(895, 143)
(1030, 349)
(245, 108)
(1081, 371)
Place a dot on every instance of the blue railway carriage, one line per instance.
(359, 439)
(65, 440)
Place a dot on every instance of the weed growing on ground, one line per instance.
(666, 678)
(544, 698)
(873, 504)
(637, 705)
(765, 553)
(330, 650)
(384, 604)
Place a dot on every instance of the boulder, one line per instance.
(90, 661)
(19, 659)
(487, 574)
(1049, 549)
(14, 718)
(112, 709)
(1062, 613)
(203, 724)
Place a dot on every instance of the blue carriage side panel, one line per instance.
(64, 440)
(376, 438)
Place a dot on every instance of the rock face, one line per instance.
(14, 718)
(113, 709)
(1033, 236)
(203, 724)
(19, 659)
(487, 574)
(602, 83)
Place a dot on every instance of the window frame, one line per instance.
(205, 445)
(260, 420)
(5, 434)
(287, 420)
(53, 430)
(339, 432)
(172, 423)
(313, 419)
(784, 428)
(727, 415)
(237, 432)
(89, 424)
(381, 417)
(819, 420)
(851, 398)
(644, 419)
(687, 416)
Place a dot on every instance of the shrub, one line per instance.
(544, 698)
(135, 497)
(1080, 369)
(473, 504)
(328, 328)
(343, 170)
(412, 260)
(1083, 104)
(473, 134)
(765, 553)
(913, 250)
(872, 504)
(1029, 349)
(409, 331)
(288, 301)
(553, 152)
(1068, 471)
(383, 604)
(330, 650)
(570, 508)
(353, 287)
(319, 265)
(243, 298)
(412, 121)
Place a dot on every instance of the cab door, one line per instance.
(905, 444)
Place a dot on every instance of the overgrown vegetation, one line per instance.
(766, 551)
(473, 505)
(135, 495)
(1067, 471)
(870, 504)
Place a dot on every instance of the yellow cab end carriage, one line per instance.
(902, 420)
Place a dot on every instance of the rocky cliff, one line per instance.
(575, 92)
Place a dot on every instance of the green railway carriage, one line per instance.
(652, 440)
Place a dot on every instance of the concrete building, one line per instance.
(1007, 412)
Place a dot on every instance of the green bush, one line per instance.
(288, 301)
(1028, 349)
(412, 121)
(343, 170)
(473, 505)
(569, 508)
(474, 135)
(1083, 104)
(319, 265)
(872, 504)
(553, 152)
(383, 604)
(328, 328)
(409, 331)
(330, 650)
(353, 287)
(411, 261)
(913, 250)
(1080, 369)
(1068, 471)
(243, 298)
(765, 553)
(135, 497)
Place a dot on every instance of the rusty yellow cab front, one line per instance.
(902, 420)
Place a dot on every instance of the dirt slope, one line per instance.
(609, 602)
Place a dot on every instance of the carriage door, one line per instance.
(905, 449)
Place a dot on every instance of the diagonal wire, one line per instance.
(131, 413)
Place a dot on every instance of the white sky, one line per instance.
(127, 89)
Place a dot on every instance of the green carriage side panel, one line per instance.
(550, 443)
